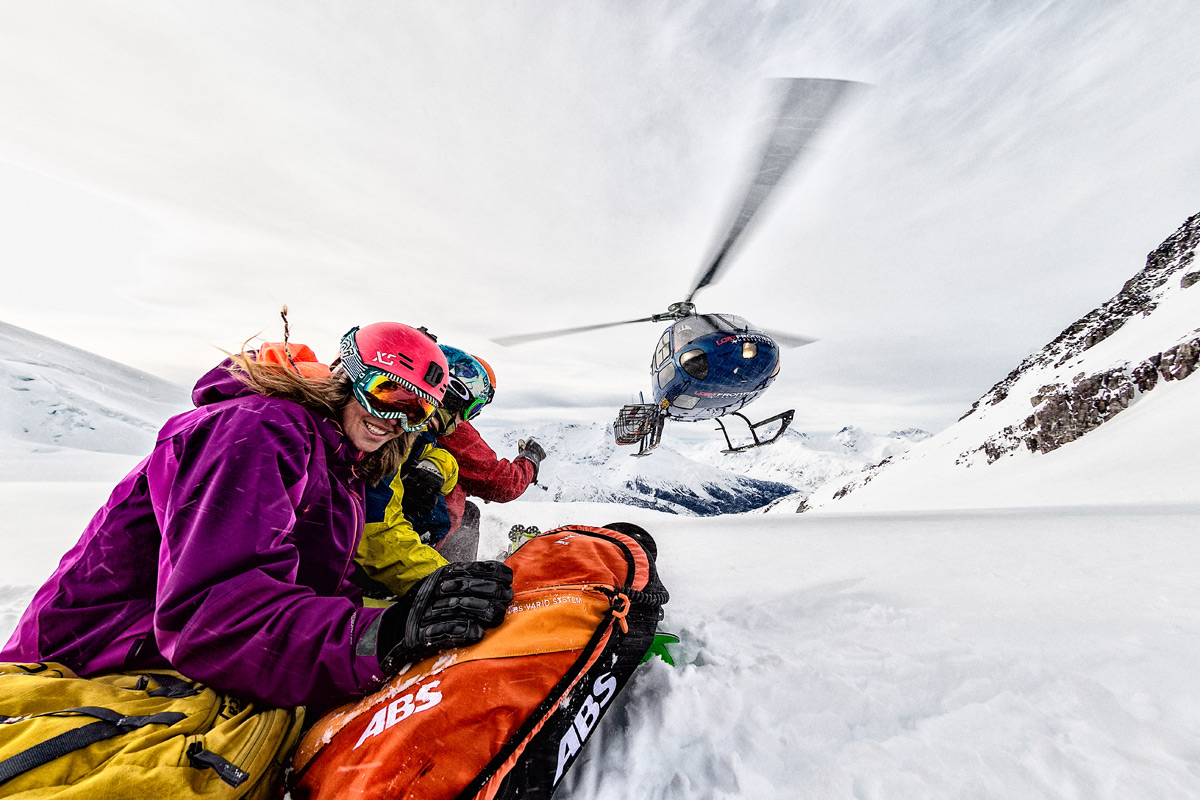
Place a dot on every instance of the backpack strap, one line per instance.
(232, 774)
(170, 686)
(110, 724)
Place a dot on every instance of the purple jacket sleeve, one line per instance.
(233, 608)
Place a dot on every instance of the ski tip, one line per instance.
(658, 648)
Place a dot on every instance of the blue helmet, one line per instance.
(472, 384)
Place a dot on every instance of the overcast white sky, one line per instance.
(171, 173)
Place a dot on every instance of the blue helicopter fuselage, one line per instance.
(708, 365)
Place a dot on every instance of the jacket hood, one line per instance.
(218, 384)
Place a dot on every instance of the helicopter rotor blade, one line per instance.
(521, 338)
(807, 104)
(789, 339)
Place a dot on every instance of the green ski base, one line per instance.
(658, 648)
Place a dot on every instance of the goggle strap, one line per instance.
(352, 362)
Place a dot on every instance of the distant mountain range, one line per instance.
(690, 475)
(61, 406)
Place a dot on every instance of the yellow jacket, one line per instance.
(391, 551)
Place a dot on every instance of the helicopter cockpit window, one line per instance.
(663, 351)
(734, 322)
(689, 329)
(692, 327)
(695, 363)
(666, 374)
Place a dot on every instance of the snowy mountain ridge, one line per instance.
(61, 406)
(1065, 410)
(1127, 357)
(1140, 295)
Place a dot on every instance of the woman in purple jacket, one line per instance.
(224, 554)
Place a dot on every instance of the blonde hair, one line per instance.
(325, 396)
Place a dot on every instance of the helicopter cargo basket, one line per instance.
(640, 424)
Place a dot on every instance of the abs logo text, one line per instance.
(585, 720)
(402, 708)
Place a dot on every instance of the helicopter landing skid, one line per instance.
(640, 424)
(785, 417)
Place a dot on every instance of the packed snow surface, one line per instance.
(1022, 652)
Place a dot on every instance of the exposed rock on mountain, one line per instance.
(1064, 411)
(1105, 364)
(1141, 295)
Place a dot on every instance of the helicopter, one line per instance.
(708, 365)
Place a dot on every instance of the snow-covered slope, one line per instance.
(991, 655)
(1087, 419)
(688, 473)
(586, 465)
(61, 406)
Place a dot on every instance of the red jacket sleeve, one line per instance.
(456, 505)
(483, 474)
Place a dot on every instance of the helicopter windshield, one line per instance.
(690, 328)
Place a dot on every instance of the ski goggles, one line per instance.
(389, 396)
(461, 401)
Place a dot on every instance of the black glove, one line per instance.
(532, 452)
(449, 608)
(422, 488)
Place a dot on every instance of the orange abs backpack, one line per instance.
(506, 717)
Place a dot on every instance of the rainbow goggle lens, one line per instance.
(459, 400)
(391, 397)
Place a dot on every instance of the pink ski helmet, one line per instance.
(398, 372)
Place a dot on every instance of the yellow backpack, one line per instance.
(144, 734)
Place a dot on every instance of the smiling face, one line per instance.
(366, 432)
